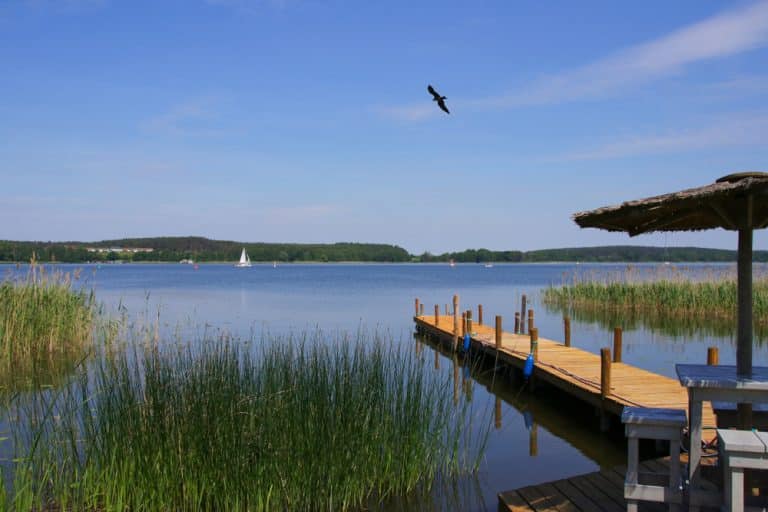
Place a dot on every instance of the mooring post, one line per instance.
(469, 321)
(463, 324)
(522, 315)
(567, 328)
(517, 322)
(437, 315)
(713, 356)
(455, 322)
(479, 314)
(498, 332)
(446, 310)
(605, 372)
(617, 344)
(535, 344)
(530, 320)
(421, 309)
(416, 307)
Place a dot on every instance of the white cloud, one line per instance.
(191, 119)
(722, 35)
(735, 131)
(250, 5)
(408, 112)
(300, 213)
(719, 36)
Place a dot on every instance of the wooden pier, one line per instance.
(602, 491)
(599, 380)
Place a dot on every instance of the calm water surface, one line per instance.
(532, 441)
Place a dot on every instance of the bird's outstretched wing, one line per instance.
(442, 106)
(433, 92)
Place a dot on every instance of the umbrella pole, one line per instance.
(744, 332)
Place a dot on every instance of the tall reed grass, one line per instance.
(290, 425)
(45, 324)
(677, 294)
(43, 312)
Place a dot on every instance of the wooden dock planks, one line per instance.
(575, 371)
(602, 491)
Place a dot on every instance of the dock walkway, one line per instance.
(602, 491)
(574, 371)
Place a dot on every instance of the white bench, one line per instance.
(658, 424)
(740, 450)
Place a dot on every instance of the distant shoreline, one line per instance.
(203, 250)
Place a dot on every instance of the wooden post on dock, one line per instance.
(617, 344)
(479, 314)
(530, 320)
(469, 321)
(497, 412)
(421, 309)
(446, 310)
(416, 307)
(605, 372)
(455, 322)
(498, 332)
(522, 315)
(535, 344)
(463, 324)
(517, 322)
(713, 356)
(567, 328)
(437, 315)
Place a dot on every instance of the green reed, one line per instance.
(291, 424)
(677, 295)
(43, 319)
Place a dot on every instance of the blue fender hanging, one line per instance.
(466, 342)
(528, 368)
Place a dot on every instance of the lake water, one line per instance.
(538, 438)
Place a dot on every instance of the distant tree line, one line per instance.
(615, 253)
(173, 249)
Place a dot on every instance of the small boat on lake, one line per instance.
(245, 261)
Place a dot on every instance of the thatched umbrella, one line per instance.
(737, 202)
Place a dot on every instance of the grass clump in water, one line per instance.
(45, 324)
(681, 296)
(292, 425)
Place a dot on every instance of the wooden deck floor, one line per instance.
(575, 371)
(601, 491)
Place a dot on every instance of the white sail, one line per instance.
(245, 261)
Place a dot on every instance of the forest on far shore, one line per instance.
(200, 249)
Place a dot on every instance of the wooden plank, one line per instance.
(597, 494)
(514, 502)
(538, 501)
(556, 498)
(581, 500)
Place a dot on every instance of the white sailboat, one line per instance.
(245, 261)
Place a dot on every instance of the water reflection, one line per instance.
(527, 427)
(47, 372)
(688, 326)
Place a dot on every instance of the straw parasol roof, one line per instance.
(737, 201)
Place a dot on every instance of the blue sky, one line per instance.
(309, 121)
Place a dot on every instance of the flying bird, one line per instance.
(439, 99)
